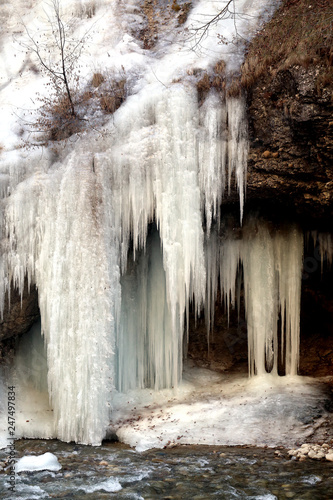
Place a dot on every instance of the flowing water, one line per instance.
(184, 472)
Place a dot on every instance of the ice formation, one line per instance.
(272, 270)
(323, 249)
(219, 409)
(47, 461)
(119, 229)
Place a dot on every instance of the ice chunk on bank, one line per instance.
(47, 461)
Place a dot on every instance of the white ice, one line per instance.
(47, 461)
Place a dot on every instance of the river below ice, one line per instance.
(184, 472)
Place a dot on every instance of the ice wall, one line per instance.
(56, 236)
(69, 231)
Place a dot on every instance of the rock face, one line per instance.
(18, 317)
(21, 314)
(291, 141)
(288, 76)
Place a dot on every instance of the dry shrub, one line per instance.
(296, 35)
(175, 6)
(112, 95)
(253, 68)
(234, 88)
(219, 68)
(215, 80)
(204, 84)
(97, 80)
(157, 19)
(184, 12)
(55, 120)
(218, 80)
(149, 33)
(109, 103)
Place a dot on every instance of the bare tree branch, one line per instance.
(228, 11)
(68, 50)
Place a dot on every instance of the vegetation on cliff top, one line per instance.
(300, 33)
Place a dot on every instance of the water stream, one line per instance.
(184, 472)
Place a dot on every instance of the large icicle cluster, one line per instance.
(271, 262)
(58, 237)
(69, 230)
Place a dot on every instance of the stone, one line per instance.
(329, 457)
(316, 455)
(20, 315)
(266, 154)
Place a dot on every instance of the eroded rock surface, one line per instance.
(291, 141)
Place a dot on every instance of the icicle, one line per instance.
(212, 155)
(272, 264)
(325, 246)
(69, 227)
(149, 351)
(237, 146)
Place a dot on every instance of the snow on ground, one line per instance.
(216, 409)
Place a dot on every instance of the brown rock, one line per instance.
(266, 154)
(20, 314)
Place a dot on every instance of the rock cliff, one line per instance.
(288, 74)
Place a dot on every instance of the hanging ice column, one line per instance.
(169, 166)
(272, 280)
(58, 237)
(271, 261)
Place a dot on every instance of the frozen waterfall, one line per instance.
(120, 231)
